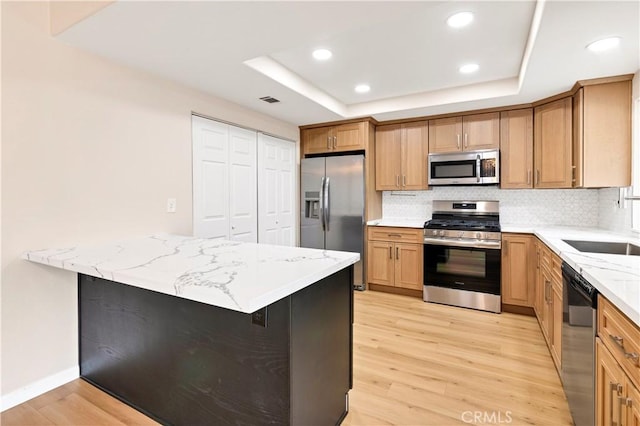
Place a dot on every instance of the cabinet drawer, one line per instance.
(621, 336)
(387, 233)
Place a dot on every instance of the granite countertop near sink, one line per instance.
(617, 277)
(239, 276)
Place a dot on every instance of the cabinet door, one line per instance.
(516, 149)
(539, 285)
(348, 137)
(445, 134)
(414, 156)
(316, 141)
(552, 144)
(481, 131)
(609, 387)
(518, 270)
(380, 263)
(408, 266)
(606, 135)
(388, 152)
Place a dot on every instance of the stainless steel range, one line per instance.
(462, 246)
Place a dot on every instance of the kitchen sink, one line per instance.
(606, 247)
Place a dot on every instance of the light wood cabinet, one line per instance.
(602, 135)
(518, 269)
(401, 156)
(395, 257)
(548, 299)
(467, 133)
(553, 144)
(617, 367)
(516, 149)
(338, 138)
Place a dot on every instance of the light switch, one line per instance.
(171, 205)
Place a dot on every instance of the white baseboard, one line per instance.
(38, 388)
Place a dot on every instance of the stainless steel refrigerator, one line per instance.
(332, 206)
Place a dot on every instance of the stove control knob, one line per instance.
(434, 232)
(460, 234)
(441, 233)
(479, 235)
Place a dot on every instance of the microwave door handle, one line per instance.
(478, 167)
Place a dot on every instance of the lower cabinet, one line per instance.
(395, 258)
(617, 368)
(548, 299)
(518, 269)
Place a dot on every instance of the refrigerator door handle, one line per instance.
(327, 205)
(322, 204)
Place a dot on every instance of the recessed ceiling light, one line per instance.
(322, 54)
(460, 19)
(362, 88)
(468, 68)
(603, 44)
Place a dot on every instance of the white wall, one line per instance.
(91, 152)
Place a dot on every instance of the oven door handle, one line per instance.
(492, 245)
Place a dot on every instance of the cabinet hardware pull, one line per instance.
(328, 142)
(622, 401)
(397, 253)
(394, 235)
(537, 176)
(528, 177)
(335, 142)
(458, 140)
(617, 340)
(633, 357)
(398, 181)
(390, 252)
(466, 141)
(617, 388)
(404, 179)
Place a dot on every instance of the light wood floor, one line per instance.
(415, 363)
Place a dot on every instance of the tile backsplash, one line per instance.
(610, 216)
(562, 207)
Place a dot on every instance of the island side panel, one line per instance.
(184, 362)
(321, 350)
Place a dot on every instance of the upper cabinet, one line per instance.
(401, 156)
(467, 133)
(516, 148)
(338, 138)
(602, 135)
(552, 144)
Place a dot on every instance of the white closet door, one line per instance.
(243, 187)
(210, 178)
(276, 190)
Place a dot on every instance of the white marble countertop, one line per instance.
(617, 277)
(400, 223)
(239, 276)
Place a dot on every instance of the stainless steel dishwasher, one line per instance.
(579, 317)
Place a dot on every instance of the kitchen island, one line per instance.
(201, 331)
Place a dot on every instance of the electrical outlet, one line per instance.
(171, 205)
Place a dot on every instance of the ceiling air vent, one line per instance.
(269, 99)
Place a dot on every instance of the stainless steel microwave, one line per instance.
(465, 168)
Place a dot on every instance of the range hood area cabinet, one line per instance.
(401, 156)
(602, 135)
(467, 133)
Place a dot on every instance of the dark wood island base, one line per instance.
(188, 363)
